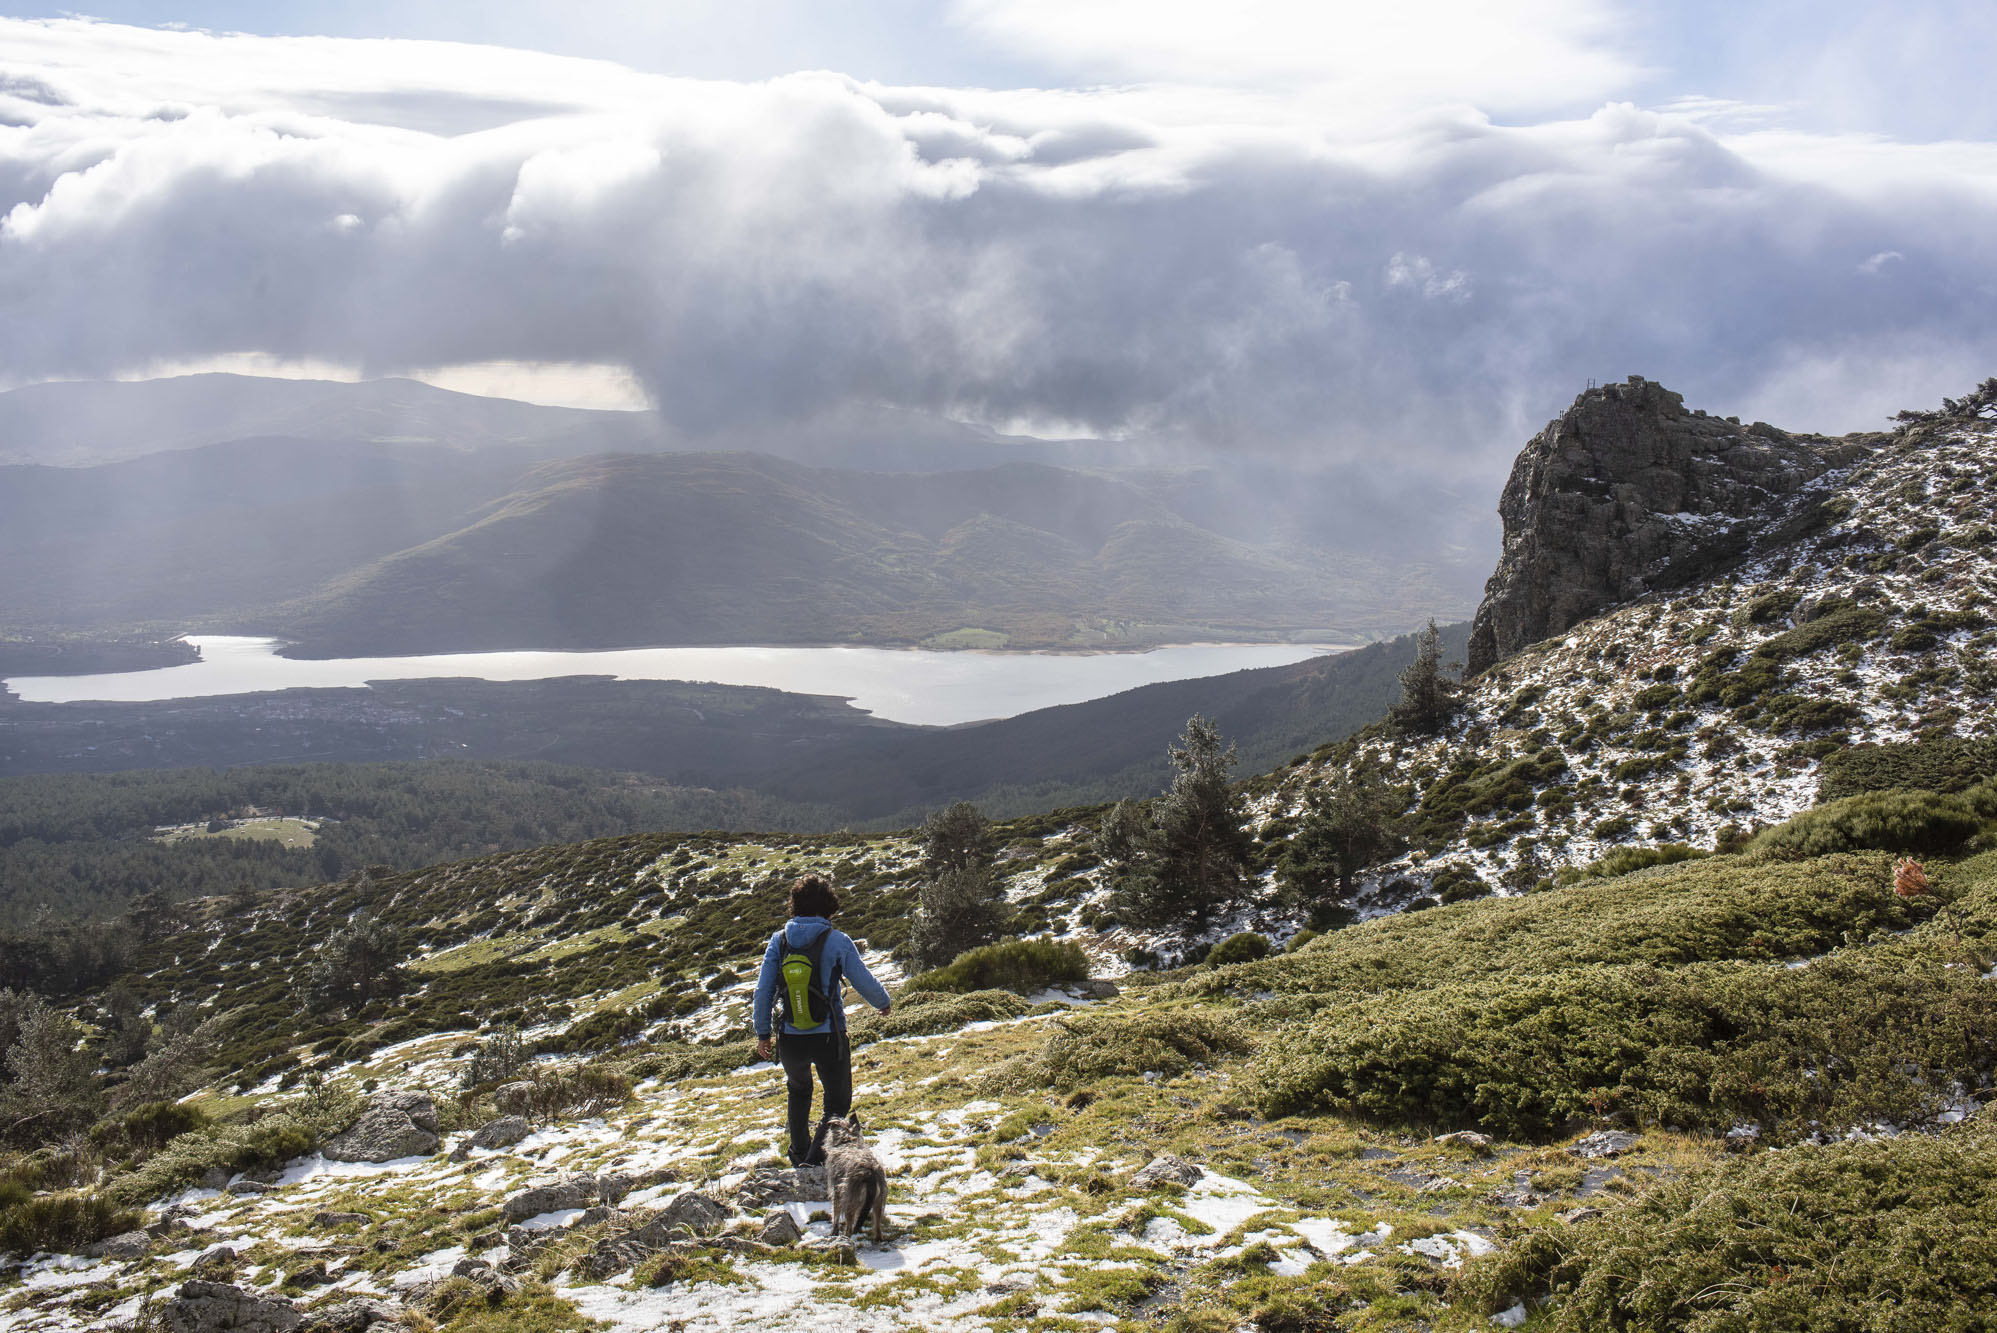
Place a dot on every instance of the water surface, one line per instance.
(904, 684)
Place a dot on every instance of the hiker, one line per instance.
(804, 974)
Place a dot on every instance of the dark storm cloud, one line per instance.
(1224, 273)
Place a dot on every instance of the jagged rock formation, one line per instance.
(1626, 493)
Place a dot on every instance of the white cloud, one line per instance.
(1220, 264)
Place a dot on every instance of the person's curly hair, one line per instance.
(810, 895)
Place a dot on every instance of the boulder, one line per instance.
(312, 1275)
(1479, 1144)
(501, 1133)
(614, 1256)
(211, 1263)
(247, 1187)
(598, 1215)
(614, 1185)
(215, 1307)
(395, 1124)
(1099, 988)
(329, 1218)
(352, 1316)
(124, 1245)
(780, 1228)
(214, 1178)
(574, 1192)
(770, 1185)
(514, 1099)
(1165, 1169)
(1604, 1143)
(692, 1211)
(1625, 493)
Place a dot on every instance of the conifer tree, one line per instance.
(358, 964)
(1428, 697)
(1193, 856)
(1347, 826)
(962, 902)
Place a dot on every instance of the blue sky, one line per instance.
(1334, 228)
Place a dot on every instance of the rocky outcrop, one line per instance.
(501, 1133)
(1165, 1169)
(353, 1316)
(1626, 493)
(395, 1124)
(535, 1200)
(216, 1307)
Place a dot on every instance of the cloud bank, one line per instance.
(1234, 266)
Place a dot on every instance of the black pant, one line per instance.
(832, 1056)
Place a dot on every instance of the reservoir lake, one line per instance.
(934, 688)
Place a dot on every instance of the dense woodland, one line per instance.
(82, 846)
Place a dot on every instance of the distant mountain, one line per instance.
(83, 423)
(709, 548)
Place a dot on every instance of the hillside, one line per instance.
(1743, 1089)
(708, 548)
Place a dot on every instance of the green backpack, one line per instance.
(801, 993)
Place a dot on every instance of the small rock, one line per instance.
(691, 1211)
(221, 1259)
(125, 1245)
(1165, 1169)
(461, 1153)
(614, 1256)
(1573, 1215)
(1100, 988)
(312, 1275)
(513, 1098)
(598, 1215)
(395, 1124)
(486, 1240)
(1479, 1144)
(496, 1285)
(214, 1178)
(780, 1228)
(247, 1187)
(503, 1132)
(1604, 1143)
(215, 1307)
(328, 1218)
(468, 1266)
(358, 1315)
(1437, 1184)
(612, 1186)
(165, 1227)
(842, 1254)
(575, 1192)
(779, 1184)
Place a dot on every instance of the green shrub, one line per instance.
(1616, 826)
(1895, 821)
(1089, 1048)
(1300, 939)
(59, 1223)
(1947, 764)
(1850, 1040)
(150, 1127)
(687, 1061)
(1624, 860)
(920, 1013)
(1890, 1235)
(1243, 947)
(289, 1132)
(1705, 910)
(1024, 966)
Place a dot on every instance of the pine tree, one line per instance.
(50, 1090)
(958, 837)
(1195, 855)
(358, 964)
(1347, 826)
(1428, 698)
(962, 902)
(959, 910)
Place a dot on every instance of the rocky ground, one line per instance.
(1008, 1209)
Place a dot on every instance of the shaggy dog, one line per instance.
(859, 1182)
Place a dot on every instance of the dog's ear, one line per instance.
(854, 1121)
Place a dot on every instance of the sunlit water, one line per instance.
(904, 684)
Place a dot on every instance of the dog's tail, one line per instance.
(864, 1214)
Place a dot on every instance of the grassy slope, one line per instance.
(1770, 1007)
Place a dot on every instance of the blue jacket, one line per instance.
(840, 959)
